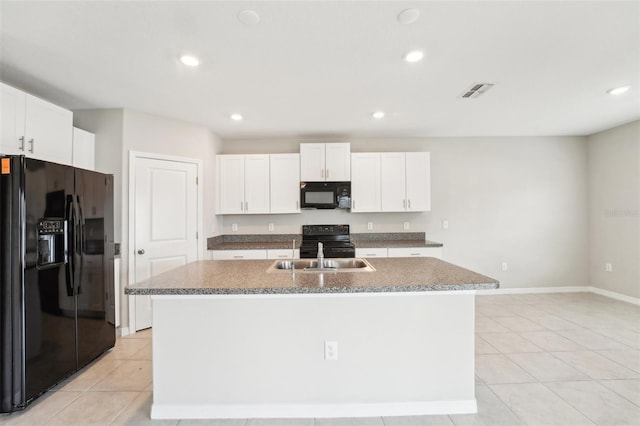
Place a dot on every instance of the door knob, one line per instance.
(141, 251)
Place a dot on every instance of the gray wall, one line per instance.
(520, 200)
(614, 209)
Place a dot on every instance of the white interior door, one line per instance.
(166, 217)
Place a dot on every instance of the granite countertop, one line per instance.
(283, 241)
(251, 277)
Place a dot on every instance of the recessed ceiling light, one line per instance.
(414, 56)
(618, 90)
(249, 17)
(378, 115)
(408, 16)
(236, 117)
(190, 61)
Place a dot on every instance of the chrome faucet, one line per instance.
(320, 256)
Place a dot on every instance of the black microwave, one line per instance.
(325, 195)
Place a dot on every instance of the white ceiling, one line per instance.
(322, 67)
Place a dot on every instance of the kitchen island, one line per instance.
(232, 340)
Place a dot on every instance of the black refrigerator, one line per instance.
(56, 274)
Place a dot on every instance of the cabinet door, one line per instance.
(312, 162)
(83, 149)
(256, 183)
(365, 182)
(418, 173)
(231, 184)
(285, 183)
(392, 182)
(12, 120)
(337, 162)
(48, 131)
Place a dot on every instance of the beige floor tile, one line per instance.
(547, 368)
(537, 405)
(94, 408)
(280, 422)
(418, 421)
(591, 340)
(483, 347)
(629, 358)
(491, 412)
(494, 311)
(628, 388)
(551, 341)
(626, 337)
(510, 342)
(488, 325)
(599, 404)
(553, 322)
(127, 348)
(516, 323)
(350, 421)
(144, 353)
(596, 366)
(91, 374)
(41, 410)
(132, 375)
(497, 368)
(137, 413)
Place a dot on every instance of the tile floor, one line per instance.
(543, 359)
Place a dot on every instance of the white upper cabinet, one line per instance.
(244, 183)
(405, 181)
(325, 162)
(34, 127)
(418, 172)
(84, 149)
(285, 183)
(365, 182)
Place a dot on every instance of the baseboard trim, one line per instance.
(124, 331)
(235, 411)
(568, 289)
(614, 295)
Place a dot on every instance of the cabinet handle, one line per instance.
(238, 257)
(327, 173)
(21, 147)
(414, 254)
(404, 204)
(297, 204)
(353, 204)
(241, 206)
(409, 203)
(322, 173)
(246, 206)
(371, 255)
(31, 142)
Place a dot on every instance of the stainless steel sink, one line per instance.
(328, 265)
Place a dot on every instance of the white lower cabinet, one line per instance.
(282, 254)
(371, 252)
(415, 252)
(238, 254)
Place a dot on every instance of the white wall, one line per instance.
(521, 200)
(614, 209)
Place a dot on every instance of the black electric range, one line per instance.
(335, 239)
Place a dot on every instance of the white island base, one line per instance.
(261, 356)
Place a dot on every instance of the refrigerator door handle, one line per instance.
(81, 245)
(69, 269)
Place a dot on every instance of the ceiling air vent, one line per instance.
(476, 90)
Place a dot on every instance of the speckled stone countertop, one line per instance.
(251, 277)
(283, 241)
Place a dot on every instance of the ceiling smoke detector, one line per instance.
(476, 90)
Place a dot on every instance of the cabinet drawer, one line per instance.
(238, 254)
(371, 252)
(282, 254)
(416, 252)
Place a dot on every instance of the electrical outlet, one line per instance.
(608, 267)
(330, 350)
(369, 226)
(445, 224)
(234, 227)
(406, 226)
(271, 227)
(505, 266)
